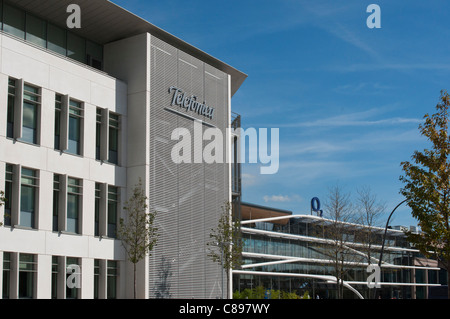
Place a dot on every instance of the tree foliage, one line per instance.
(225, 245)
(260, 292)
(426, 185)
(341, 212)
(137, 231)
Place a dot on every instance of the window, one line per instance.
(27, 276)
(72, 293)
(113, 272)
(40, 32)
(13, 21)
(56, 39)
(6, 274)
(76, 47)
(28, 197)
(23, 116)
(55, 274)
(94, 55)
(113, 198)
(31, 101)
(96, 278)
(8, 194)
(74, 193)
(98, 134)
(97, 209)
(36, 31)
(11, 102)
(113, 156)
(56, 200)
(75, 127)
(107, 136)
(58, 106)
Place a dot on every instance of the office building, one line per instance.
(296, 253)
(85, 113)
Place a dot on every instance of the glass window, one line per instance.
(31, 99)
(97, 210)
(113, 273)
(75, 124)
(113, 198)
(6, 274)
(56, 39)
(71, 293)
(27, 275)
(55, 267)
(36, 30)
(14, 21)
(58, 103)
(29, 183)
(98, 134)
(96, 277)
(74, 193)
(44, 34)
(56, 194)
(76, 47)
(11, 102)
(8, 194)
(113, 156)
(94, 54)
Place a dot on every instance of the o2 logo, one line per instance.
(315, 206)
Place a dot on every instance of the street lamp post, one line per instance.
(384, 236)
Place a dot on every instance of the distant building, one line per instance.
(289, 252)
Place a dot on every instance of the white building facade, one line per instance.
(86, 113)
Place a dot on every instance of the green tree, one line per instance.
(225, 246)
(136, 231)
(427, 186)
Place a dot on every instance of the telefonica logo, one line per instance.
(190, 103)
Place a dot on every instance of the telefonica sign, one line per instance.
(190, 103)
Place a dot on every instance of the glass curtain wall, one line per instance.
(42, 33)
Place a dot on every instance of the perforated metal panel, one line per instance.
(187, 196)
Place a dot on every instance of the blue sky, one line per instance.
(347, 99)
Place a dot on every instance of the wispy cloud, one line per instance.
(365, 88)
(351, 37)
(353, 119)
(282, 198)
(364, 67)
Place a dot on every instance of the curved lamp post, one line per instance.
(384, 236)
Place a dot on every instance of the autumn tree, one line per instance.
(225, 245)
(369, 212)
(137, 231)
(339, 231)
(427, 186)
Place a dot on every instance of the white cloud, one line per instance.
(282, 198)
(355, 119)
